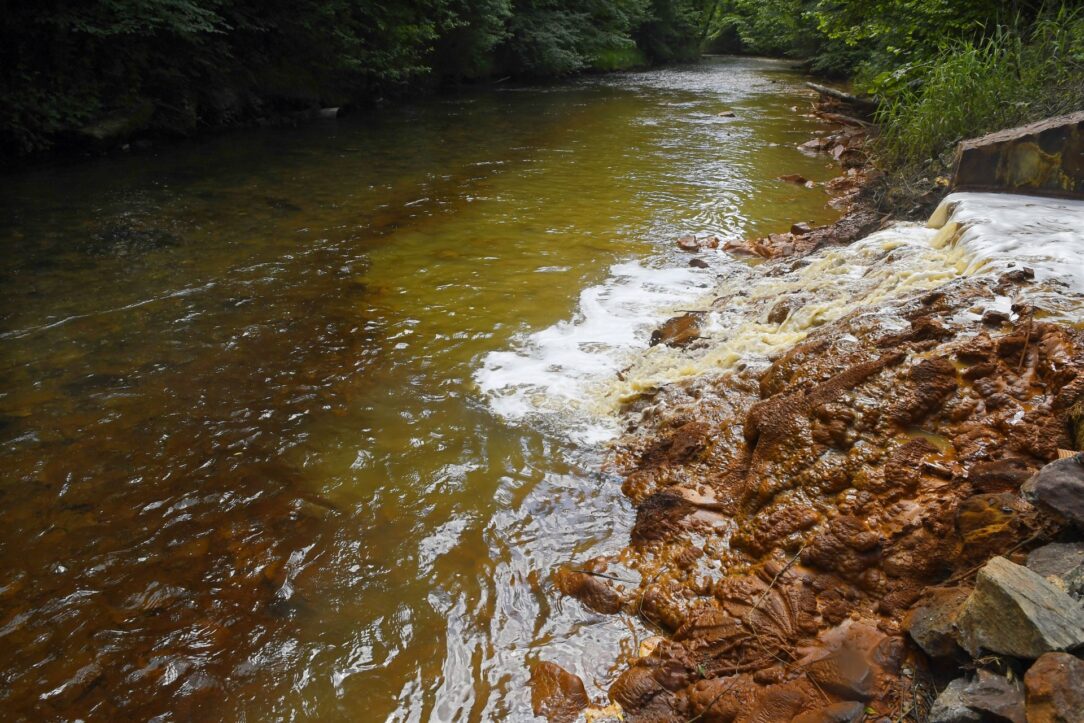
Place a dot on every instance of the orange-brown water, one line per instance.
(247, 473)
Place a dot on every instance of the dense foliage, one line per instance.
(79, 68)
(944, 70)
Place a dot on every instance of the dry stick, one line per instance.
(1027, 338)
(904, 714)
(756, 605)
(967, 573)
(602, 574)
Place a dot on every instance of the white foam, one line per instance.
(551, 371)
(568, 374)
(999, 230)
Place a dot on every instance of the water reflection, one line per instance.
(246, 470)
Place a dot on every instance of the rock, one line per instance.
(556, 694)
(996, 695)
(699, 264)
(844, 673)
(801, 228)
(850, 712)
(678, 331)
(1061, 564)
(1059, 486)
(994, 317)
(1014, 611)
(592, 591)
(931, 623)
(950, 707)
(1055, 689)
(781, 311)
(688, 242)
(1041, 158)
(727, 114)
(794, 178)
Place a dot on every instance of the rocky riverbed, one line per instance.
(874, 513)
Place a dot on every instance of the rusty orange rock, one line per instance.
(556, 694)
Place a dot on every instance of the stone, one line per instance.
(591, 590)
(556, 694)
(996, 695)
(847, 712)
(699, 264)
(1061, 564)
(1059, 486)
(1014, 611)
(678, 331)
(688, 242)
(1055, 689)
(1043, 158)
(950, 707)
(931, 623)
(801, 228)
(794, 178)
(844, 672)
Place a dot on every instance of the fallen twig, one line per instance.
(602, 574)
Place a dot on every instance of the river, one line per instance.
(259, 459)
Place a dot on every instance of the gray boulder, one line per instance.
(1061, 564)
(1015, 611)
(1059, 487)
(987, 696)
(950, 707)
(996, 695)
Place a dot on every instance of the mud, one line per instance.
(788, 520)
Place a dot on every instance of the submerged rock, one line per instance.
(556, 694)
(1059, 486)
(794, 178)
(592, 591)
(1017, 612)
(1055, 689)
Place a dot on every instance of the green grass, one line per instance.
(1013, 76)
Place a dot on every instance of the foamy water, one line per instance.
(577, 373)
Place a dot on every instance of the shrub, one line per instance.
(1011, 76)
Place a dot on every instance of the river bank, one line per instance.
(827, 476)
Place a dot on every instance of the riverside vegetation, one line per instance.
(80, 72)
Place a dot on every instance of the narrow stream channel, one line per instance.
(248, 469)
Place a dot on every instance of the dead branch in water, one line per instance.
(602, 574)
(864, 103)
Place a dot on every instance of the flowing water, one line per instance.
(264, 412)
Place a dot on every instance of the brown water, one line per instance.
(247, 471)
